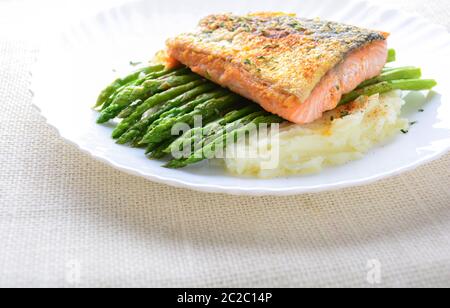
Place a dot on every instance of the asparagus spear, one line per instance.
(222, 141)
(198, 143)
(158, 151)
(185, 109)
(388, 69)
(231, 127)
(199, 134)
(122, 95)
(110, 99)
(236, 116)
(392, 55)
(139, 129)
(189, 107)
(108, 91)
(148, 88)
(206, 110)
(152, 102)
(165, 73)
(239, 114)
(130, 109)
(387, 86)
(395, 74)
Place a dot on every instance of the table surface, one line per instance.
(68, 221)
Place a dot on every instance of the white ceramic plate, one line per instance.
(78, 63)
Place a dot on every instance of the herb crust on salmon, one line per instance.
(293, 67)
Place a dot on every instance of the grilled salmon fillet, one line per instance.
(293, 67)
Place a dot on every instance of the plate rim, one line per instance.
(232, 190)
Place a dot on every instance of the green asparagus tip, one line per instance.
(116, 134)
(157, 155)
(168, 150)
(175, 164)
(392, 55)
(97, 106)
(121, 141)
(434, 83)
(102, 119)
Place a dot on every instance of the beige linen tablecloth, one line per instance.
(67, 220)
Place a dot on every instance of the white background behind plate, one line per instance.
(81, 60)
(59, 207)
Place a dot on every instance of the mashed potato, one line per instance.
(341, 136)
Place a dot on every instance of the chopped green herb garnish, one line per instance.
(413, 123)
(421, 110)
(135, 63)
(247, 62)
(297, 26)
(404, 131)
